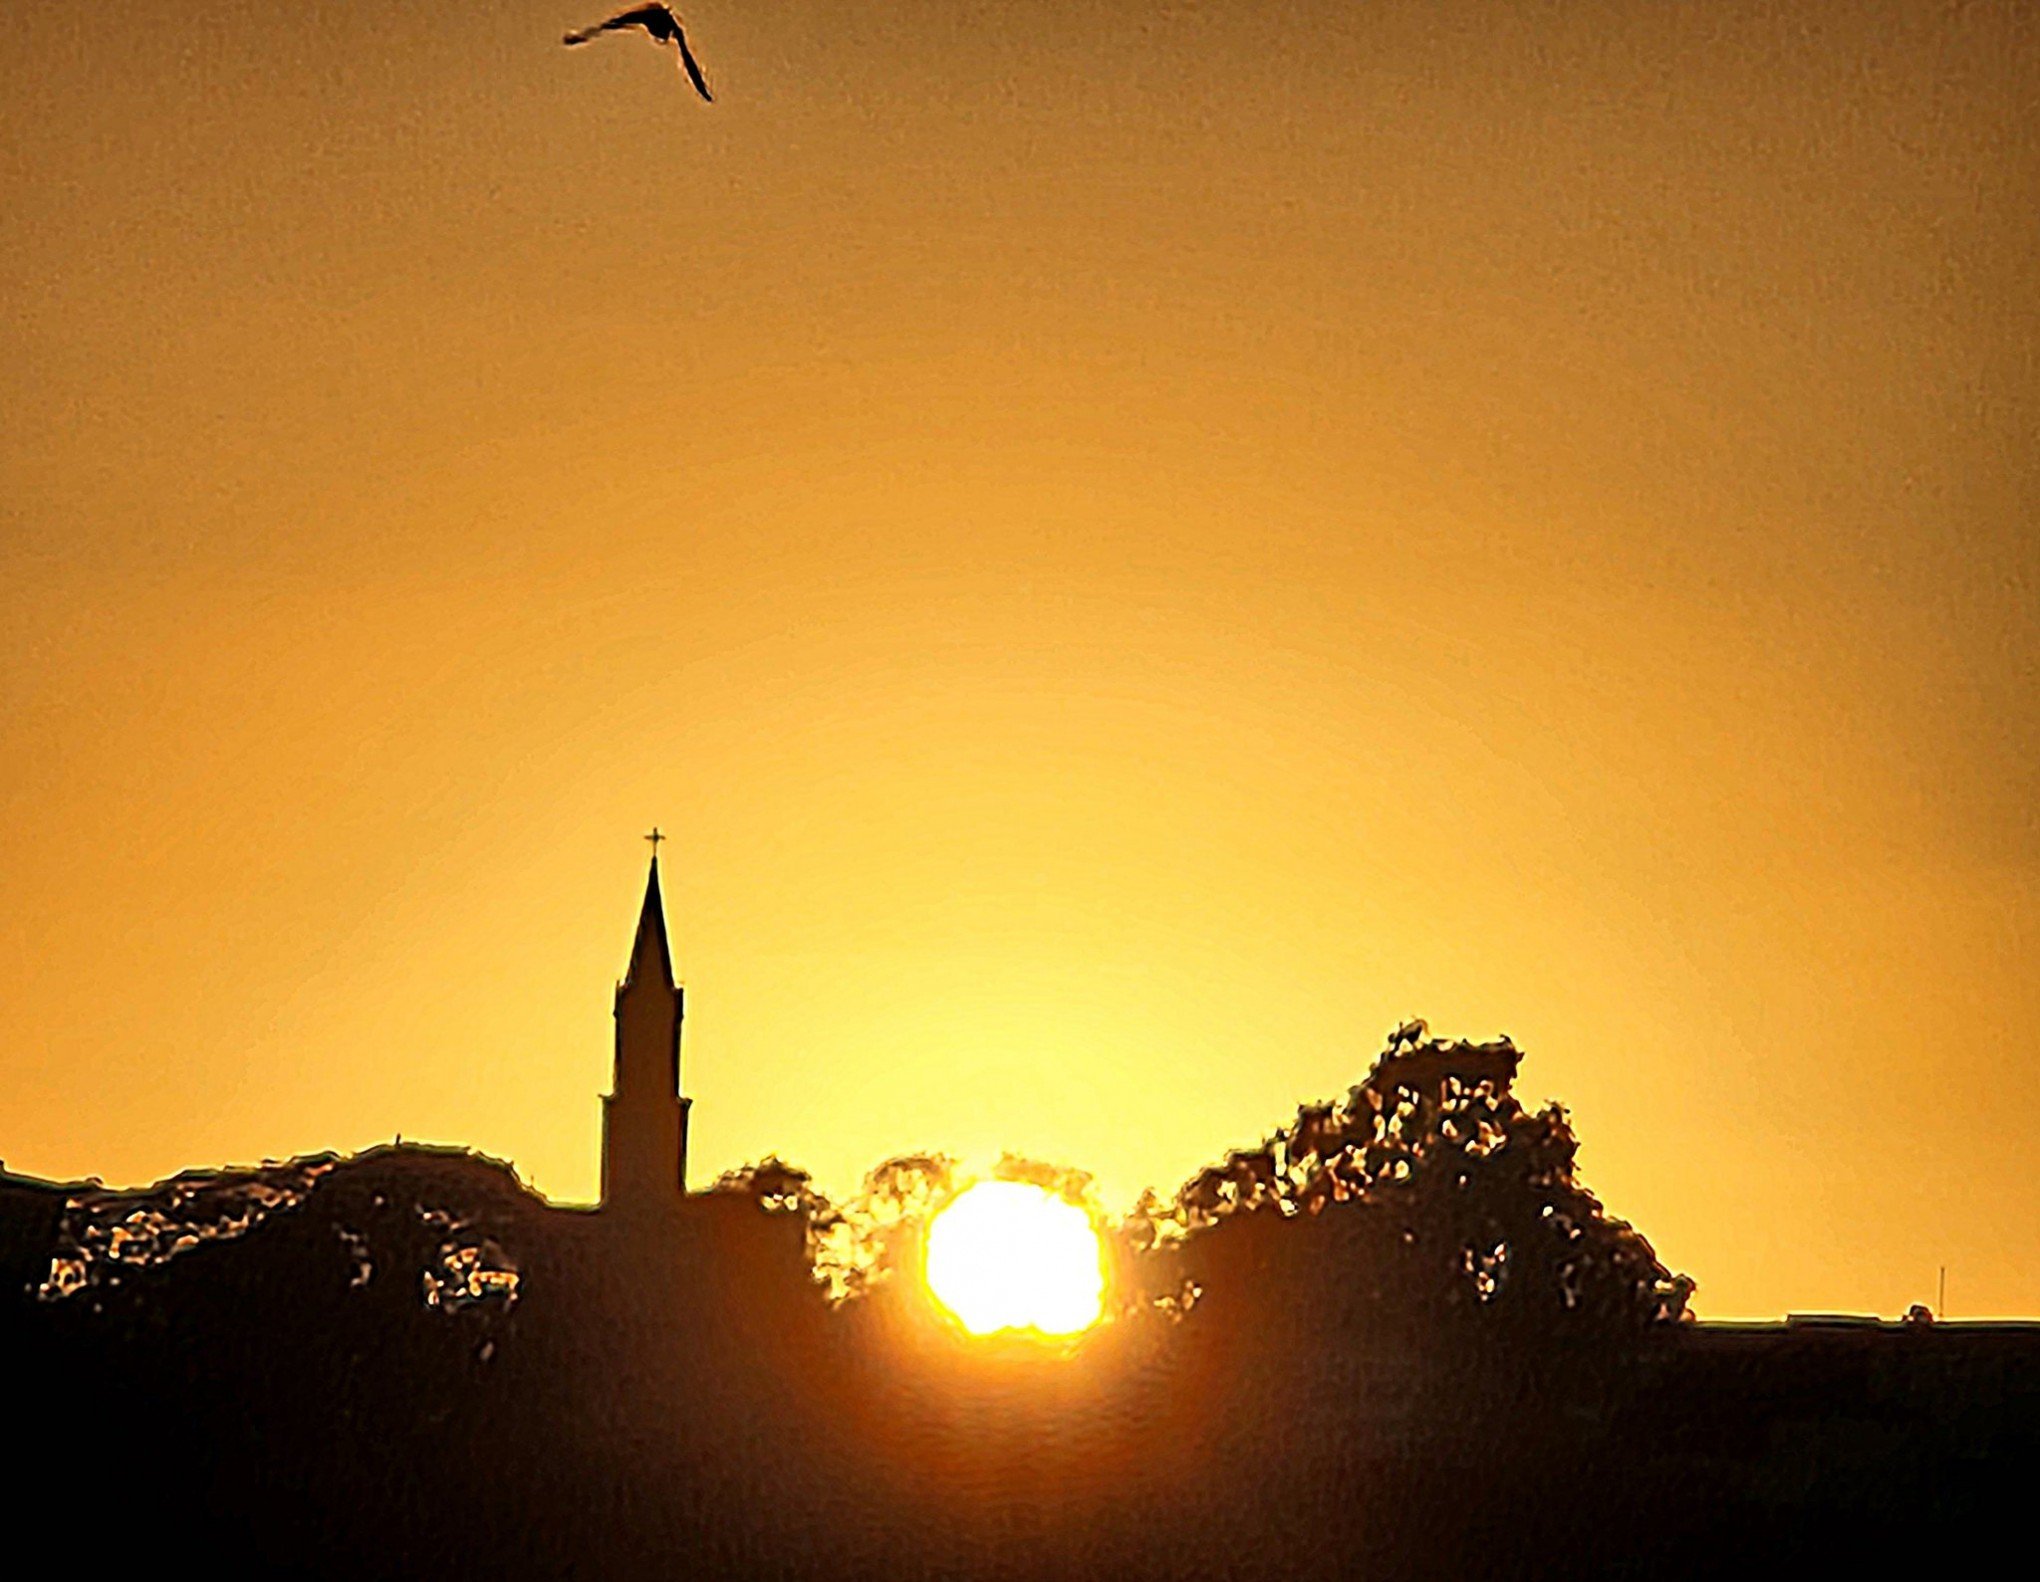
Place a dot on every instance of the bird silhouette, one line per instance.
(661, 26)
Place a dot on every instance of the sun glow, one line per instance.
(1006, 1255)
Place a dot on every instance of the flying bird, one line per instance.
(661, 26)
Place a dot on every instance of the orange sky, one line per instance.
(1132, 545)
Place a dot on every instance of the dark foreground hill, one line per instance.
(1397, 1340)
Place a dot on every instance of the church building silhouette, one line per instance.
(644, 1117)
(687, 1247)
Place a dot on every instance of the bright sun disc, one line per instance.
(1005, 1255)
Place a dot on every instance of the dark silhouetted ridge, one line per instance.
(1397, 1338)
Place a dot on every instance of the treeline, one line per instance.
(1428, 1200)
(1399, 1338)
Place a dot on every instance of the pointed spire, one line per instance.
(651, 958)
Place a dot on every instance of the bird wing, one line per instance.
(654, 19)
(693, 68)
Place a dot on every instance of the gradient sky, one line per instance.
(1131, 545)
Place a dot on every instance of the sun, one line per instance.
(1006, 1255)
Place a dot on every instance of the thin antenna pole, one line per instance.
(1941, 1297)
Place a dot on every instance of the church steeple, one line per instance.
(644, 1117)
(651, 957)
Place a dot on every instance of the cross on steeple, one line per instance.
(655, 837)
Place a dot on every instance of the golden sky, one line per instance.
(1131, 545)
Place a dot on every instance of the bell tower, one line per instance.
(644, 1118)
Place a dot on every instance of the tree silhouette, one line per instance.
(1429, 1195)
